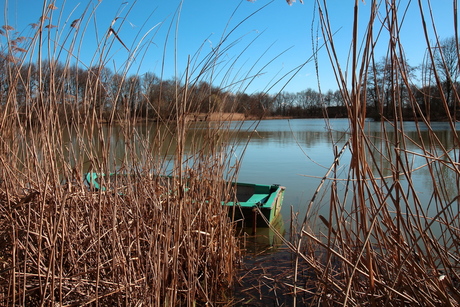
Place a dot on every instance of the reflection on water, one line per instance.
(264, 239)
(144, 144)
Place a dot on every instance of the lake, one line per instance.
(297, 153)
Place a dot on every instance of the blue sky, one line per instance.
(261, 50)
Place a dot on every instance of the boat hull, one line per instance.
(256, 204)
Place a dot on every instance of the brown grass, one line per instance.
(381, 244)
(62, 243)
(145, 247)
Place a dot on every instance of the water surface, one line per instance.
(298, 153)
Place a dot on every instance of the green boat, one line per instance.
(254, 205)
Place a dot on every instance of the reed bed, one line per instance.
(142, 240)
(380, 244)
(145, 248)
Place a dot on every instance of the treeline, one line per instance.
(77, 91)
(430, 89)
(115, 96)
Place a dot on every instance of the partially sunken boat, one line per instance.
(254, 206)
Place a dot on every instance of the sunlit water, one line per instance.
(298, 153)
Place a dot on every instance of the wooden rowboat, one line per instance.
(257, 203)
(253, 206)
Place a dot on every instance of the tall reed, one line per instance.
(381, 244)
(143, 241)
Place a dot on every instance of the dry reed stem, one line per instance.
(382, 245)
(96, 246)
(141, 242)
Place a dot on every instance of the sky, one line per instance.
(251, 46)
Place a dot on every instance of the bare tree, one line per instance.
(386, 89)
(446, 63)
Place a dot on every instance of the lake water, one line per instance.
(297, 154)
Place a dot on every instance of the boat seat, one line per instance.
(256, 198)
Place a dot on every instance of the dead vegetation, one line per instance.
(61, 243)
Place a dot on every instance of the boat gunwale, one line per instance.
(265, 201)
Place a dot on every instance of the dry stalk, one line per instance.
(382, 245)
(144, 240)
